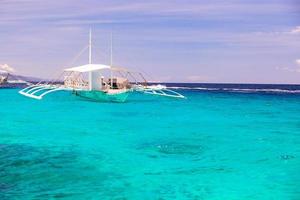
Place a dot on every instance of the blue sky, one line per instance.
(231, 41)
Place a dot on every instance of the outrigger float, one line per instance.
(98, 82)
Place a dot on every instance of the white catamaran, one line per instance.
(99, 82)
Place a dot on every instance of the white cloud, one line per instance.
(291, 69)
(296, 30)
(6, 68)
(199, 78)
(288, 69)
(20, 11)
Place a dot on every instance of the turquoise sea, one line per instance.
(212, 145)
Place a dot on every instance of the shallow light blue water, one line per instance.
(213, 145)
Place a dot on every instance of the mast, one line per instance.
(90, 48)
(90, 60)
(111, 49)
(111, 59)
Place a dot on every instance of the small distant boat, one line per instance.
(99, 82)
(4, 73)
(3, 79)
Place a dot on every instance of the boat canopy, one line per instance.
(88, 68)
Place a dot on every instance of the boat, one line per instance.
(98, 82)
(5, 71)
(3, 79)
(98, 88)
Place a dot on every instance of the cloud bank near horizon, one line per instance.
(188, 41)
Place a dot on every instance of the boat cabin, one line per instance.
(94, 77)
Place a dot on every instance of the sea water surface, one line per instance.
(234, 144)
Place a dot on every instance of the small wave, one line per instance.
(263, 90)
(192, 88)
(242, 90)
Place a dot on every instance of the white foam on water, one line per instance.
(242, 90)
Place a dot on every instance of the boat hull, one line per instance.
(103, 96)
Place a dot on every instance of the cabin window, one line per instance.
(114, 85)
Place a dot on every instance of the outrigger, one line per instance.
(98, 82)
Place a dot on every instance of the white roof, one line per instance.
(88, 68)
